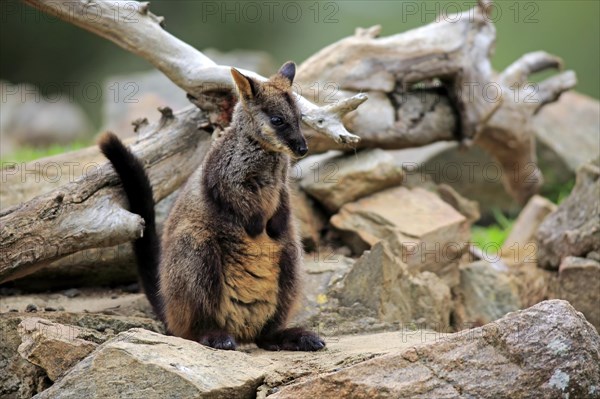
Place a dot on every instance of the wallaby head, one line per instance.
(268, 111)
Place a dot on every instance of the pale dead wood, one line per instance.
(471, 103)
(133, 27)
(88, 213)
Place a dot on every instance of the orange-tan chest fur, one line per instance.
(251, 287)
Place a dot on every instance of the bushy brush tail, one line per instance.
(139, 194)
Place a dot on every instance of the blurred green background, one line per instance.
(38, 49)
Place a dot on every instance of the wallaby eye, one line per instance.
(276, 121)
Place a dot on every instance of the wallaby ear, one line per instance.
(246, 86)
(288, 71)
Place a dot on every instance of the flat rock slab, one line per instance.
(427, 232)
(143, 364)
(53, 346)
(546, 351)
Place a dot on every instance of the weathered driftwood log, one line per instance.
(465, 98)
(454, 54)
(88, 213)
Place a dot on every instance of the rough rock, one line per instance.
(533, 283)
(579, 283)
(321, 271)
(568, 129)
(426, 232)
(520, 245)
(466, 207)
(144, 364)
(20, 378)
(574, 228)
(347, 178)
(380, 281)
(487, 294)
(310, 220)
(55, 347)
(546, 351)
(342, 351)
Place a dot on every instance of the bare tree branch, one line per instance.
(133, 27)
(88, 213)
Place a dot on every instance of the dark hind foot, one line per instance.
(291, 339)
(218, 340)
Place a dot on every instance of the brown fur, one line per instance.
(228, 269)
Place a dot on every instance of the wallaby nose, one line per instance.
(298, 146)
(302, 149)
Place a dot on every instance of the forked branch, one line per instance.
(130, 25)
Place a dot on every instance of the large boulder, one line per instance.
(574, 228)
(546, 351)
(321, 271)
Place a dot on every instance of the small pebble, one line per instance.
(13, 310)
(31, 308)
(50, 309)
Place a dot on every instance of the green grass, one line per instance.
(557, 193)
(493, 236)
(26, 154)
